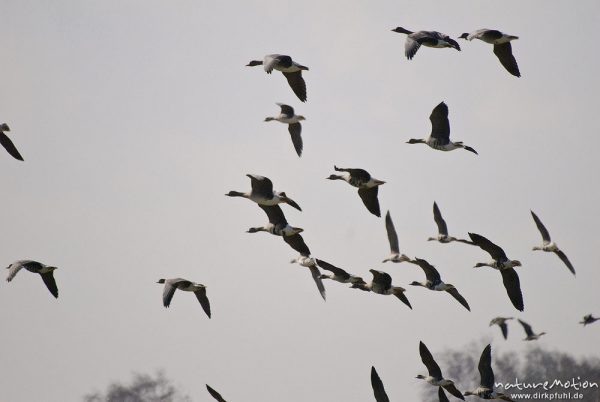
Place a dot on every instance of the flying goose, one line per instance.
(378, 389)
(45, 271)
(442, 236)
(262, 193)
(395, 255)
(504, 265)
(440, 132)
(501, 322)
(368, 187)
(290, 69)
(486, 385)
(279, 226)
(338, 274)
(171, 285)
(531, 336)
(215, 394)
(306, 261)
(435, 377)
(434, 282)
(7, 143)
(382, 285)
(414, 40)
(288, 117)
(548, 245)
(502, 47)
(588, 319)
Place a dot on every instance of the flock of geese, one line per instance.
(268, 200)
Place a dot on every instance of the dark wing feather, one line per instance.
(295, 132)
(391, 233)
(297, 243)
(510, 278)
(297, 84)
(485, 368)
(440, 125)
(215, 394)
(201, 296)
(504, 53)
(286, 109)
(563, 258)
(541, 228)
(274, 213)
(459, 298)
(382, 278)
(168, 293)
(316, 275)
(495, 251)
(504, 329)
(9, 146)
(442, 395)
(399, 293)
(452, 389)
(48, 279)
(261, 185)
(336, 271)
(431, 273)
(526, 327)
(441, 223)
(378, 389)
(427, 359)
(369, 198)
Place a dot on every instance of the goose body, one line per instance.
(530, 335)
(368, 187)
(287, 116)
(501, 322)
(486, 385)
(435, 377)
(442, 236)
(310, 263)
(290, 69)
(45, 271)
(382, 285)
(414, 40)
(338, 274)
(502, 263)
(439, 138)
(7, 143)
(171, 285)
(262, 193)
(502, 47)
(434, 282)
(548, 245)
(395, 255)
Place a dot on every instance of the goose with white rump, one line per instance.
(262, 193)
(486, 384)
(287, 116)
(531, 336)
(395, 255)
(442, 236)
(435, 377)
(368, 187)
(382, 285)
(548, 245)
(45, 271)
(501, 322)
(502, 47)
(289, 68)
(171, 285)
(414, 40)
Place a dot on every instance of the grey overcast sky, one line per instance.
(135, 117)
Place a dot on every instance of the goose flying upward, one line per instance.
(414, 40)
(548, 245)
(45, 271)
(290, 69)
(395, 255)
(501, 322)
(434, 282)
(442, 236)
(502, 47)
(531, 336)
(8, 144)
(435, 377)
(486, 385)
(262, 193)
(288, 117)
(440, 132)
(510, 278)
(368, 187)
(171, 285)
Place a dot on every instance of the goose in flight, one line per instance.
(434, 282)
(279, 226)
(548, 245)
(306, 261)
(502, 47)
(262, 193)
(338, 274)
(171, 285)
(510, 278)
(442, 236)
(588, 319)
(531, 336)
(395, 255)
(8, 144)
(382, 285)
(45, 271)
(501, 322)
(290, 69)
(414, 40)
(486, 385)
(435, 377)
(215, 394)
(288, 117)
(368, 187)
(378, 389)
(440, 132)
